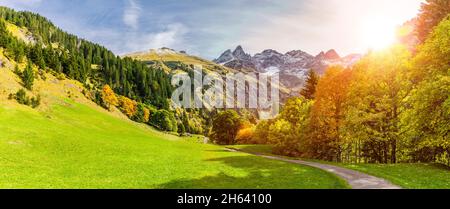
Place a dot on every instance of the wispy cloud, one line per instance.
(172, 36)
(208, 27)
(131, 14)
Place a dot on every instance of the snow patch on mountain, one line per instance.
(292, 66)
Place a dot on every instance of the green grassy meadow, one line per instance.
(74, 146)
(409, 176)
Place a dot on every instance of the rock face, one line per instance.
(292, 66)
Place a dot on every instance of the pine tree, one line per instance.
(28, 77)
(310, 87)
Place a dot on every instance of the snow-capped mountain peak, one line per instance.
(292, 66)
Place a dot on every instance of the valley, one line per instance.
(76, 115)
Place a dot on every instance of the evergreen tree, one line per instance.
(310, 88)
(28, 76)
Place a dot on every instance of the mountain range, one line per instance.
(292, 66)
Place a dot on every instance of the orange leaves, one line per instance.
(128, 106)
(328, 113)
(245, 136)
(331, 92)
(146, 115)
(109, 97)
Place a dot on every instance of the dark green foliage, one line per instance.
(22, 98)
(140, 115)
(164, 120)
(14, 49)
(28, 77)
(80, 59)
(225, 127)
(310, 87)
(181, 128)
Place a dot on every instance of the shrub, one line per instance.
(142, 114)
(164, 120)
(127, 106)
(22, 98)
(245, 136)
(109, 97)
(225, 127)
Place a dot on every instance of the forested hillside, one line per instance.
(54, 50)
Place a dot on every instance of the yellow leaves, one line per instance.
(245, 135)
(146, 115)
(109, 97)
(128, 106)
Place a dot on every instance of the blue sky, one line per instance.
(208, 27)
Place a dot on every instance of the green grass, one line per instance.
(74, 146)
(263, 149)
(409, 176)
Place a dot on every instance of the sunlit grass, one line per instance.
(74, 146)
(412, 176)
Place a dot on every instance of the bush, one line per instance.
(225, 127)
(142, 114)
(109, 98)
(283, 138)
(261, 134)
(164, 120)
(127, 106)
(245, 136)
(22, 98)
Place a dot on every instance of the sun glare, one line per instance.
(378, 33)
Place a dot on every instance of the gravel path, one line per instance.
(355, 179)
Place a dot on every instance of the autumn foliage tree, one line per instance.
(375, 102)
(426, 123)
(127, 106)
(328, 114)
(109, 98)
(392, 106)
(432, 12)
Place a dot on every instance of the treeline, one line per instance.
(392, 106)
(52, 49)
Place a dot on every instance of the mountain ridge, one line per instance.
(291, 66)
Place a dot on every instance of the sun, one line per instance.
(378, 33)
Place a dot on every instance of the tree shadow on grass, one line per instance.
(250, 172)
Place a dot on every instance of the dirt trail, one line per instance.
(355, 179)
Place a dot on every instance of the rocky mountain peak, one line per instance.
(298, 54)
(321, 55)
(332, 55)
(292, 66)
(270, 52)
(225, 57)
(239, 53)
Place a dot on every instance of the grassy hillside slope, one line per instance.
(70, 142)
(73, 146)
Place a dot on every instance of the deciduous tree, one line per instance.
(109, 97)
